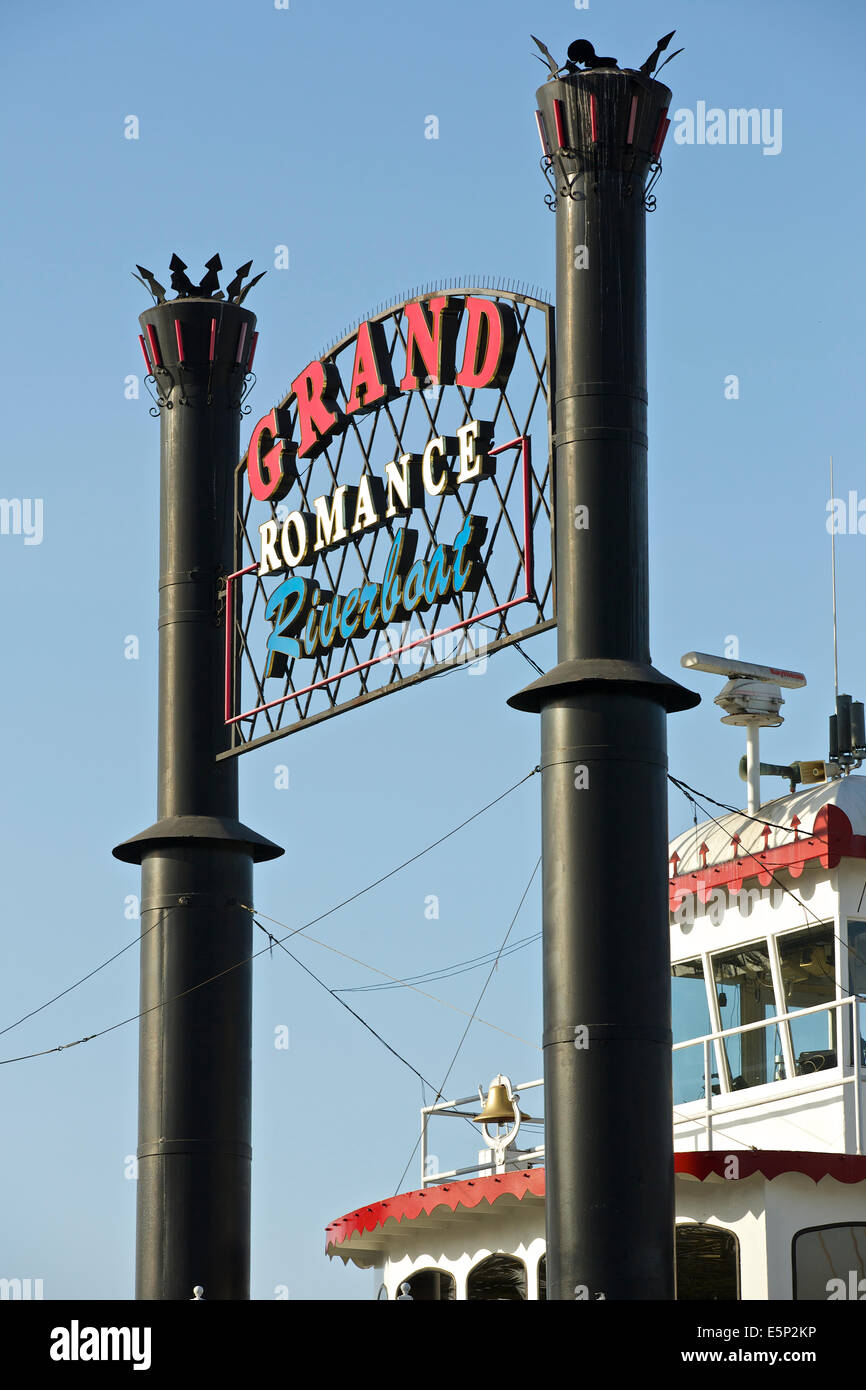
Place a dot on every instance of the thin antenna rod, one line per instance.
(833, 563)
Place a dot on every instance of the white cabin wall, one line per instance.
(757, 911)
(784, 1116)
(765, 1216)
(736, 1206)
(517, 1230)
(794, 1203)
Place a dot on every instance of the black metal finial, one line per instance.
(180, 281)
(209, 286)
(582, 53)
(648, 68)
(234, 290)
(582, 57)
(156, 289)
(548, 57)
(241, 272)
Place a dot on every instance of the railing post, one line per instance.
(858, 1137)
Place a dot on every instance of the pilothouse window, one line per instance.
(809, 978)
(691, 1019)
(744, 989)
(857, 978)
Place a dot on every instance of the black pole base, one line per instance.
(609, 1205)
(604, 674)
(209, 831)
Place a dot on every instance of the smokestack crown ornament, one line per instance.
(178, 339)
(209, 287)
(600, 118)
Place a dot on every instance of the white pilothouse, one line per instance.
(768, 977)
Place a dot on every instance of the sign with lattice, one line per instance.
(393, 512)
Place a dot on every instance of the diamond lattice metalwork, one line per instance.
(515, 597)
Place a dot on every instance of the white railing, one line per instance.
(850, 1073)
(842, 1074)
(449, 1107)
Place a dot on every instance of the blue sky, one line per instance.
(305, 127)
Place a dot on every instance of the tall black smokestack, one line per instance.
(194, 1150)
(607, 1019)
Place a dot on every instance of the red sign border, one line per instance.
(524, 443)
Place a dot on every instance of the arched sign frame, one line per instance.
(374, 473)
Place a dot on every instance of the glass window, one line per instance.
(809, 978)
(431, 1286)
(707, 1263)
(744, 988)
(496, 1278)
(830, 1262)
(691, 1019)
(857, 977)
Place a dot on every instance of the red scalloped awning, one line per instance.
(771, 1162)
(468, 1193)
(832, 839)
(409, 1205)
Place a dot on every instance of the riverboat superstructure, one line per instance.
(768, 977)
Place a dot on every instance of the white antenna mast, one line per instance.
(752, 698)
(833, 565)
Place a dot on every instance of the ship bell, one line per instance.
(498, 1107)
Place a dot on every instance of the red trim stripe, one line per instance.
(593, 117)
(542, 134)
(632, 116)
(661, 132)
(252, 351)
(241, 340)
(154, 345)
(179, 335)
(559, 121)
(144, 354)
(213, 324)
